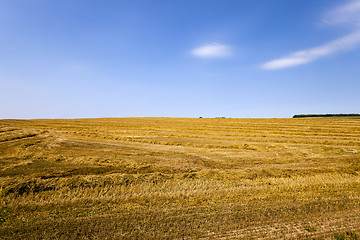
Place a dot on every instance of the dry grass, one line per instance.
(163, 178)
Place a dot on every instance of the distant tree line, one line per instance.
(326, 115)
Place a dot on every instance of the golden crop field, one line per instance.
(172, 178)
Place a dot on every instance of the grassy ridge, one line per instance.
(141, 178)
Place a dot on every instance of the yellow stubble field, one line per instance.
(180, 178)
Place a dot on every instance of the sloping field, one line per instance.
(163, 178)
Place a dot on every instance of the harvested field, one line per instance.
(173, 178)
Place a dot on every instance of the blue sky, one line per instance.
(178, 58)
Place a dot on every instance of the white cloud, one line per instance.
(345, 14)
(349, 15)
(212, 50)
(342, 44)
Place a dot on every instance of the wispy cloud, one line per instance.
(349, 15)
(212, 50)
(345, 14)
(342, 44)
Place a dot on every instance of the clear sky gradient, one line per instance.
(178, 58)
